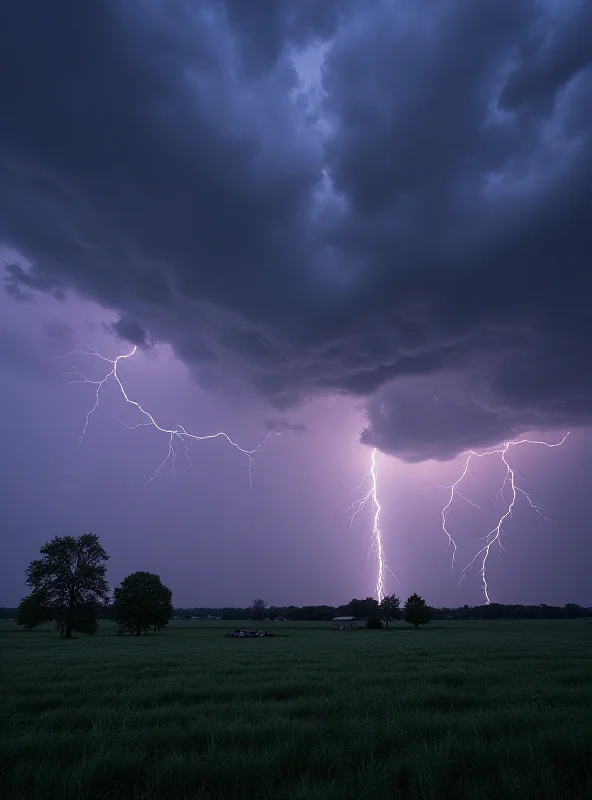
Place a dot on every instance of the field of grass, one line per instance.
(454, 710)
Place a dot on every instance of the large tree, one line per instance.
(416, 611)
(142, 602)
(258, 610)
(68, 585)
(390, 608)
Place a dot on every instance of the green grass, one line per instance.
(455, 710)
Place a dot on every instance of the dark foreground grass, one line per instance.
(456, 710)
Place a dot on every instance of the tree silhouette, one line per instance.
(416, 611)
(142, 602)
(258, 609)
(390, 608)
(68, 585)
(361, 608)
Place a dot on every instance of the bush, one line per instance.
(374, 622)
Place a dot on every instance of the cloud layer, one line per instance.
(413, 227)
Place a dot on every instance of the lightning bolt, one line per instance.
(176, 436)
(515, 491)
(366, 503)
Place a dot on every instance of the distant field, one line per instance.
(456, 710)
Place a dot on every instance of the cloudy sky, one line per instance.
(359, 225)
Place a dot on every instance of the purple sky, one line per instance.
(369, 222)
(287, 541)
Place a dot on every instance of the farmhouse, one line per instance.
(343, 623)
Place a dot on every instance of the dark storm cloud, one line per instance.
(21, 286)
(283, 426)
(58, 331)
(130, 330)
(423, 232)
(263, 29)
(443, 413)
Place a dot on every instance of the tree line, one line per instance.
(494, 611)
(362, 609)
(415, 611)
(69, 588)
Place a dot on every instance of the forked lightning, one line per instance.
(495, 533)
(175, 435)
(369, 502)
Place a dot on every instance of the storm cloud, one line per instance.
(412, 228)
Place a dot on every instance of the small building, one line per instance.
(343, 623)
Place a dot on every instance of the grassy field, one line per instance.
(455, 710)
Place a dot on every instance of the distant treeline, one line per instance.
(362, 609)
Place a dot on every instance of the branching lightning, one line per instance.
(177, 435)
(509, 491)
(495, 534)
(369, 502)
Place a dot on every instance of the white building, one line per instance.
(343, 623)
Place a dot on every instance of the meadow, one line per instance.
(453, 710)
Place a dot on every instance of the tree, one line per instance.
(374, 622)
(573, 611)
(416, 611)
(390, 608)
(68, 585)
(33, 611)
(258, 610)
(142, 602)
(361, 608)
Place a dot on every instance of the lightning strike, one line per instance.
(370, 502)
(176, 436)
(515, 491)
